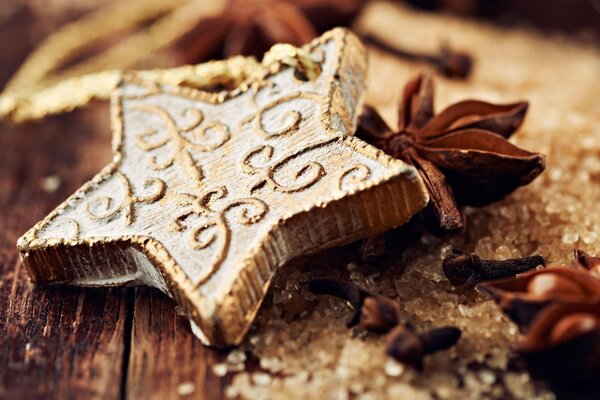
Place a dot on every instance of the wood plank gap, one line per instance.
(127, 335)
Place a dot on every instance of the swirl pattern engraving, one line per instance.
(289, 122)
(353, 176)
(185, 139)
(104, 208)
(303, 177)
(69, 228)
(216, 226)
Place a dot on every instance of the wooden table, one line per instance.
(67, 342)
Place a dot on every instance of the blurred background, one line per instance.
(32, 20)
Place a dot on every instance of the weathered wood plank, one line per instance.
(56, 342)
(167, 361)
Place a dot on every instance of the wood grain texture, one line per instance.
(56, 342)
(166, 359)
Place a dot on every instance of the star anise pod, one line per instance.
(251, 27)
(462, 153)
(562, 343)
(559, 311)
(522, 298)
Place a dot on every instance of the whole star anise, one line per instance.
(523, 297)
(462, 153)
(559, 311)
(251, 27)
(562, 343)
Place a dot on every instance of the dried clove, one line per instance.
(462, 268)
(409, 347)
(451, 63)
(379, 314)
(372, 312)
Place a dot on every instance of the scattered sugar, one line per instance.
(393, 368)
(301, 342)
(186, 388)
(50, 183)
(219, 369)
(261, 379)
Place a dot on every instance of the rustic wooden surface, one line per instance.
(73, 343)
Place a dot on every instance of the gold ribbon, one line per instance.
(39, 88)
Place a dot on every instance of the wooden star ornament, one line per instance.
(208, 194)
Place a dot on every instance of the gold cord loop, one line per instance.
(294, 57)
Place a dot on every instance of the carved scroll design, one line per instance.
(75, 227)
(215, 225)
(309, 173)
(353, 176)
(69, 224)
(182, 146)
(289, 121)
(104, 208)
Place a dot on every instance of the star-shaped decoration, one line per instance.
(208, 194)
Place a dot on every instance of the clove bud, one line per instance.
(409, 347)
(379, 314)
(462, 268)
(373, 312)
(451, 63)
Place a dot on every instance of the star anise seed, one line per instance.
(588, 262)
(462, 153)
